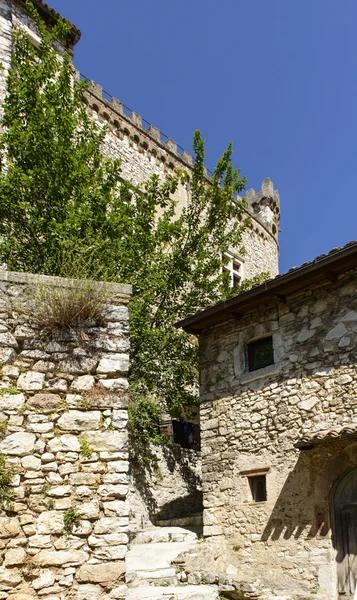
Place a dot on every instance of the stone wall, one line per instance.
(168, 489)
(251, 423)
(144, 151)
(5, 43)
(63, 431)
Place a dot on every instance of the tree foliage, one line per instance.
(61, 197)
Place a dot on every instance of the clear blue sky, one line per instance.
(277, 77)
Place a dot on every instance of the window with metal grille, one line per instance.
(260, 353)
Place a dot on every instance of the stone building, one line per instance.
(145, 151)
(278, 386)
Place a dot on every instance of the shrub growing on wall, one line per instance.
(6, 491)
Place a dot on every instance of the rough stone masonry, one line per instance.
(63, 431)
(293, 423)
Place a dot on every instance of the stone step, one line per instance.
(152, 562)
(188, 592)
(163, 534)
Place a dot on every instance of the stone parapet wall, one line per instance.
(63, 431)
(251, 423)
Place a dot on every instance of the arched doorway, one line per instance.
(344, 523)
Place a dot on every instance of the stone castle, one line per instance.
(273, 489)
(144, 150)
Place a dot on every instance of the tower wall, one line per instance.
(5, 43)
(145, 151)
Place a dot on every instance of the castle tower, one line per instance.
(145, 151)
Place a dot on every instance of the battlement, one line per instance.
(108, 102)
(264, 206)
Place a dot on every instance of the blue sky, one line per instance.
(277, 77)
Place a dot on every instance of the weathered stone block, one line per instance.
(50, 522)
(107, 441)
(110, 525)
(45, 580)
(60, 491)
(15, 557)
(18, 444)
(7, 355)
(11, 401)
(92, 479)
(115, 491)
(64, 443)
(109, 539)
(59, 558)
(118, 508)
(31, 462)
(111, 366)
(100, 573)
(8, 340)
(31, 381)
(83, 383)
(9, 578)
(89, 592)
(115, 385)
(336, 332)
(78, 365)
(89, 510)
(9, 527)
(75, 420)
(119, 314)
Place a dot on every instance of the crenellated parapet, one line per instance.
(264, 206)
(126, 123)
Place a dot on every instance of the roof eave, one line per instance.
(50, 16)
(326, 268)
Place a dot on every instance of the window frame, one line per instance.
(253, 481)
(250, 334)
(234, 266)
(251, 359)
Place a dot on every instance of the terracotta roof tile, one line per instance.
(313, 438)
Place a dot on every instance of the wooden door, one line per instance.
(345, 534)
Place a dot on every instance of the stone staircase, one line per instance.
(155, 571)
(151, 570)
